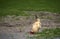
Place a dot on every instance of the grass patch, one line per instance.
(28, 5)
(47, 34)
(13, 12)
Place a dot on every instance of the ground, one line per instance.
(18, 27)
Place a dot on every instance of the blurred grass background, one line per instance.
(18, 6)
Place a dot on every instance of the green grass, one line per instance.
(47, 34)
(13, 12)
(12, 6)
